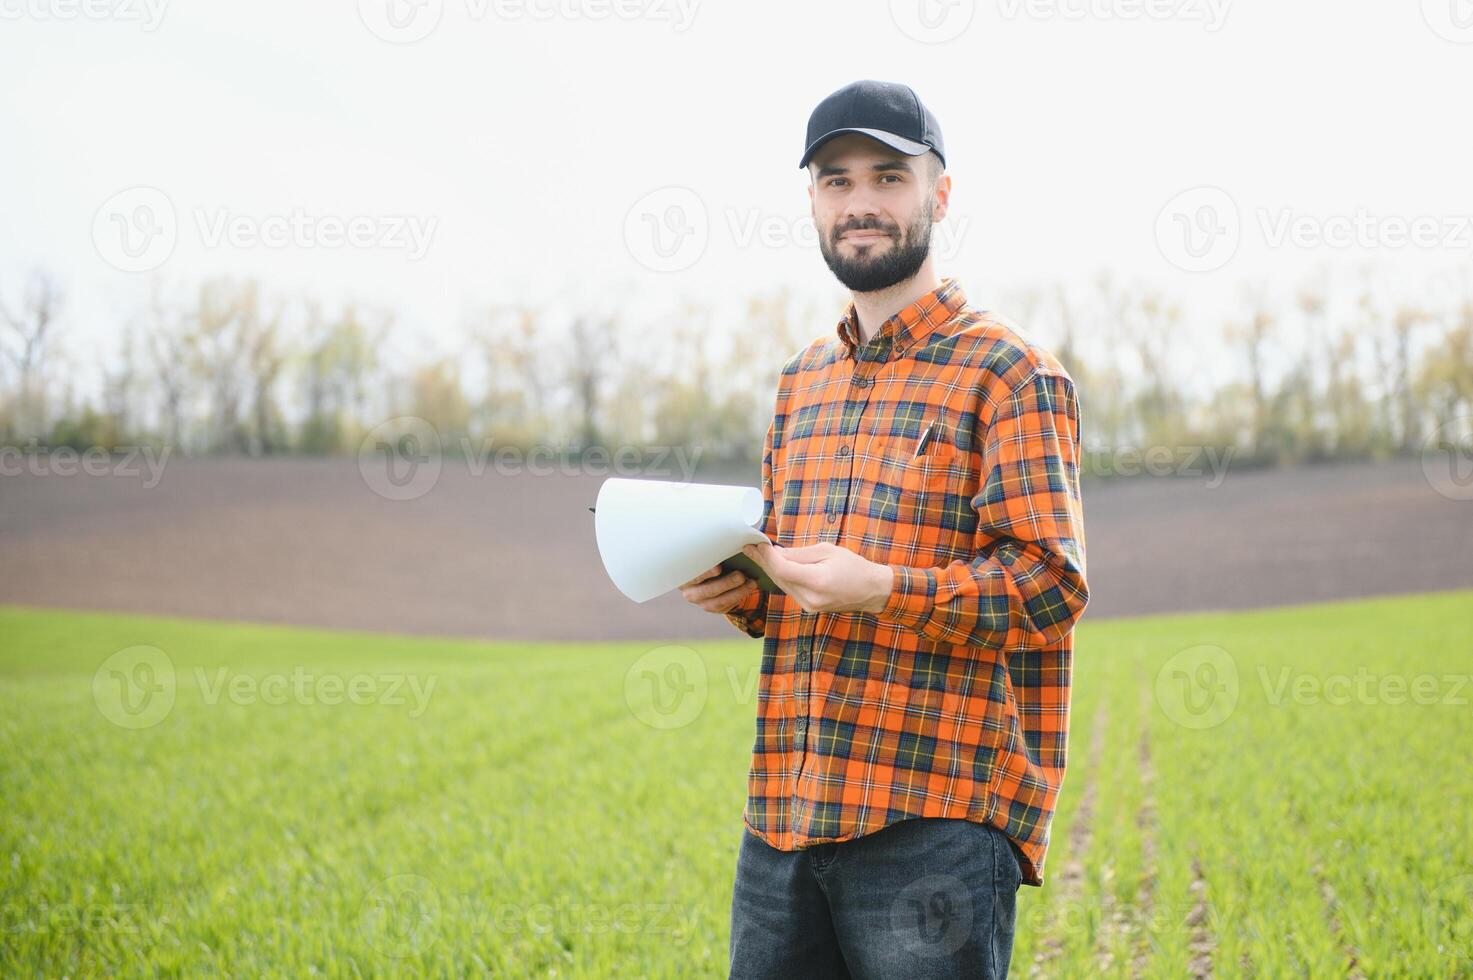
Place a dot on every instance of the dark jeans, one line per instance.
(926, 897)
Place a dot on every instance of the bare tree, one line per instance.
(1154, 328)
(589, 363)
(340, 356)
(266, 355)
(169, 351)
(439, 398)
(1445, 384)
(1404, 324)
(1255, 335)
(120, 383)
(218, 348)
(30, 334)
(1320, 425)
(1393, 336)
(511, 344)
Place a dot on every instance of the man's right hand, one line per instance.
(718, 595)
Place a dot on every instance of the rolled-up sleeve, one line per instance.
(1025, 586)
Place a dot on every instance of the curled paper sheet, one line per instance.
(655, 535)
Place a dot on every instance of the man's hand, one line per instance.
(826, 577)
(718, 595)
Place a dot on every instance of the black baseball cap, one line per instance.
(887, 111)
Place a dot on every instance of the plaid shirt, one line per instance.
(953, 701)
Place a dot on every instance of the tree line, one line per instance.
(1316, 374)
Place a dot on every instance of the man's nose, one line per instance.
(861, 203)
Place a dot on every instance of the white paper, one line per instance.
(655, 535)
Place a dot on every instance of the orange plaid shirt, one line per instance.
(953, 701)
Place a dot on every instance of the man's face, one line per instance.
(873, 207)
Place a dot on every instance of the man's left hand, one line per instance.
(825, 577)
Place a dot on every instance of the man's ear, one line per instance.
(941, 198)
(812, 207)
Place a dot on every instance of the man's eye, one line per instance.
(836, 181)
(892, 177)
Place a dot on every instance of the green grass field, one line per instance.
(1278, 793)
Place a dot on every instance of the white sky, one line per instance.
(527, 130)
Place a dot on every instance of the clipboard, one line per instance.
(740, 562)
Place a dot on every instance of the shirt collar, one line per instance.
(919, 319)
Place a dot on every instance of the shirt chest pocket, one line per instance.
(920, 505)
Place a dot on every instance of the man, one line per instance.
(920, 480)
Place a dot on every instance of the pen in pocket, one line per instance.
(925, 436)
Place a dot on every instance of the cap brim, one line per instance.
(908, 147)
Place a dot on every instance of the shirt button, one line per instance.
(861, 382)
(800, 725)
(843, 451)
(831, 517)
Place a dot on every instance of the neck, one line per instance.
(873, 309)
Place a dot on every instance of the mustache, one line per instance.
(866, 224)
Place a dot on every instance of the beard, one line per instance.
(871, 270)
